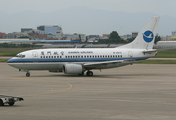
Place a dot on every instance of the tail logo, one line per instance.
(148, 36)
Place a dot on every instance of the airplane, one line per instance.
(81, 60)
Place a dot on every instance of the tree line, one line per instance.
(115, 38)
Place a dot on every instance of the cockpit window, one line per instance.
(20, 56)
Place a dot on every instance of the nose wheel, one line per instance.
(27, 74)
(89, 73)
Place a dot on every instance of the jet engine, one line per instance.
(72, 69)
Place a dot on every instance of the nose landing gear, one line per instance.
(23, 70)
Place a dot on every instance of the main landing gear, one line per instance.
(89, 73)
(27, 74)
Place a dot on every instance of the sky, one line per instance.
(18, 9)
(159, 7)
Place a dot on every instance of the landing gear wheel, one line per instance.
(27, 74)
(11, 102)
(89, 73)
(1, 103)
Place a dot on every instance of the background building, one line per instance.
(173, 38)
(59, 33)
(48, 29)
(14, 35)
(1, 35)
(134, 34)
(37, 36)
(93, 38)
(105, 36)
(174, 33)
(125, 37)
(165, 38)
(75, 36)
(9, 36)
(26, 30)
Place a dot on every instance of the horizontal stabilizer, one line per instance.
(149, 51)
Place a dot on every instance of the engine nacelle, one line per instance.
(72, 69)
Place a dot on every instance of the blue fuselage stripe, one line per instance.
(70, 60)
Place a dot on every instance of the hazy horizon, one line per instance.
(87, 16)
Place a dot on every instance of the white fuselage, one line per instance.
(54, 59)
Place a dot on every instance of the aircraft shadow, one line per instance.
(95, 76)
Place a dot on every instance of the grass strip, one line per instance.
(165, 55)
(4, 60)
(9, 52)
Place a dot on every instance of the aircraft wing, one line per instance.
(95, 64)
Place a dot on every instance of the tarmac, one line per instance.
(133, 92)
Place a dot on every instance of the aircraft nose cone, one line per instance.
(9, 61)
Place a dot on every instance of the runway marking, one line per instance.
(58, 90)
(42, 80)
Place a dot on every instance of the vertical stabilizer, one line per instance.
(146, 37)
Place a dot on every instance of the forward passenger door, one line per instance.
(35, 56)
